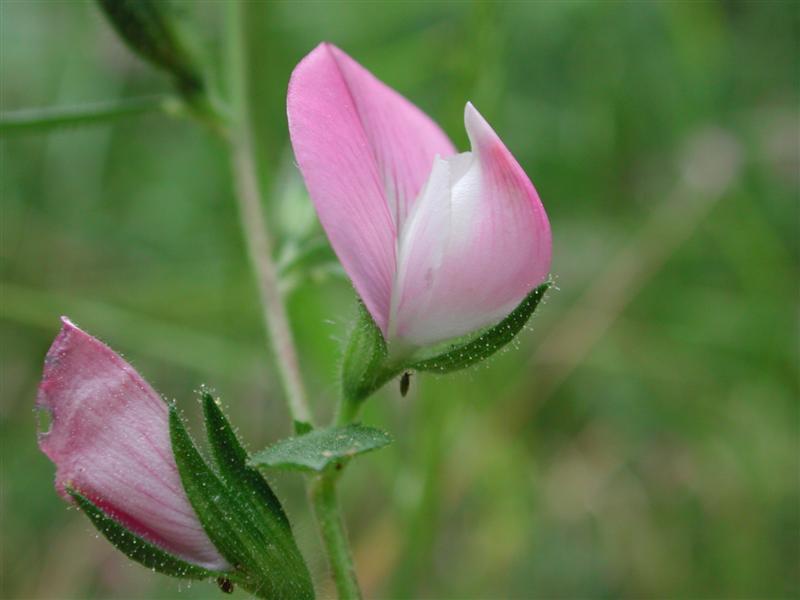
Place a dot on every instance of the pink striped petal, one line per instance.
(365, 153)
(476, 243)
(110, 440)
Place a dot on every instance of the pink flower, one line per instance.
(437, 244)
(110, 441)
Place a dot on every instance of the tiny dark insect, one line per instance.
(225, 584)
(405, 381)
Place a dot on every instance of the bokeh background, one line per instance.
(641, 438)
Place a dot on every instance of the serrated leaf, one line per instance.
(478, 347)
(322, 448)
(136, 547)
(228, 522)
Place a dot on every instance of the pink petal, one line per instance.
(477, 242)
(365, 152)
(110, 440)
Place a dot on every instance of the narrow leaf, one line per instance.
(44, 119)
(136, 547)
(322, 448)
(231, 460)
(228, 519)
(208, 497)
(251, 492)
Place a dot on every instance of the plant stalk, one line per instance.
(334, 536)
(322, 489)
(259, 249)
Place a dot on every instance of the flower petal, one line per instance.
(365, 152)
(476, 243)
(110, 440)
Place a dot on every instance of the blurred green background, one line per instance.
(640, 440)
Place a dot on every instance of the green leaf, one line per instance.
(148, 29)
(226, 510)
(255, 497)
(231, 461)
(136, 547)
(322, 448)
(477, 347)
(209, 498)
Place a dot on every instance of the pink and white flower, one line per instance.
(437, 244)
(110, 441)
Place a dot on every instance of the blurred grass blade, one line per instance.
(196, 350)
(43, 119)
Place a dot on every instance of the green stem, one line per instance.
(254, 226)
(43, 119)
(259, 245)
(346, 412)
(329, 519)
(334, 536)
(323, 488)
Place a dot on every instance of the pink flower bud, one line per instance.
(437, 244)
(110, 441)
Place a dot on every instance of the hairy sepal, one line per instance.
(239, 511)
(368, 362)
(136, 547)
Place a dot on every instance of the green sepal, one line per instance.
(147, 28)
(368, 362)
(231, 461)
(364, 360)
(479, 346)
(254, 539)
(322, 449)
(136, 547)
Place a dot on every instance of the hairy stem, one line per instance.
(254, 226)
(259, 248)
(322, 489)
(334, 536)
(43, 119)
